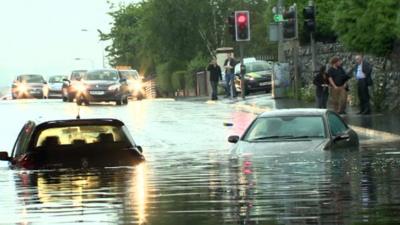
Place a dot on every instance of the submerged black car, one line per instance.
(74, 144)
(294, 130)
(106, 85)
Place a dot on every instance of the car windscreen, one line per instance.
(75, 75)
(257, 67)
(56, 79)
(109, 75)
(286, 127)
(129, 74)
(31, 79)
(85, 134)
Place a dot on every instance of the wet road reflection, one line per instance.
(188, 177)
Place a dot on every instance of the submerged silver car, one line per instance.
(289, 130)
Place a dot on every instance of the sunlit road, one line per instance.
(188, 179)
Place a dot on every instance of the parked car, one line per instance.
(102, 85)
(258, 76)
(55, 84)
(294, 130)
(73, 144)
(135, 83)
(69, 86)
(29, 86)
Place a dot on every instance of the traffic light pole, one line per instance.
(312, 44)
(296, 57)
(242, 72)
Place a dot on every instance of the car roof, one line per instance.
(295, 112)
(38, 75)
(95, 70)
(79, 122)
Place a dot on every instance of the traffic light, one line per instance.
(309, 18)
(290, 24)
(231, 26)
(242, 25)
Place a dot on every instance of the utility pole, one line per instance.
(280, 33)
(296, 56)
(312, 41)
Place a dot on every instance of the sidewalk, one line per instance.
(376, 122)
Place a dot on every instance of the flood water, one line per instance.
(188, 177)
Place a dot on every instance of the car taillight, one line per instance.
(27, 162)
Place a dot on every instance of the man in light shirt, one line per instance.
(362, 73)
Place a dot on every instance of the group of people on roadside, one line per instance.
(216, 75)
(334, 82)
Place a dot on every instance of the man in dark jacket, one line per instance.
(215, 77)
(338, 80)
(362, 72)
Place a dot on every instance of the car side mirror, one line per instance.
(341, 137)
(233, 139)
(4, 156)
(122, 80)
(139, 148)
(44, 82)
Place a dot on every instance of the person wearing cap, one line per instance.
(338, 80)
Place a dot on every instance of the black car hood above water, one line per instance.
(275, 147)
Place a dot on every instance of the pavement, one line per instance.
(386, 125)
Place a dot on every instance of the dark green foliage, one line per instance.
(368, 26)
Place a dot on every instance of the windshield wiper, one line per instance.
(283, 137)
(271, 137)
(304, 136)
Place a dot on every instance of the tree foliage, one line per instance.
(369, 26)
(166, 36)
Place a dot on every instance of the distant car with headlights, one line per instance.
(135, 83)
(294, 130)
(258, 76)
(29, 86)
(73, 144)
(69, 86)
(55, 84)
(104, 85)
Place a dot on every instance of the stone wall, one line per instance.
(385, 90)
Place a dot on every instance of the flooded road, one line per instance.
(189, 179)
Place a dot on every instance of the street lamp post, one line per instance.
(103, 55)
(90, 60)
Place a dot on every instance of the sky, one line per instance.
(46, 36)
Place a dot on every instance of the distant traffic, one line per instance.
(82, 86)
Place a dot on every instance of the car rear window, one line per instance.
(80, 135)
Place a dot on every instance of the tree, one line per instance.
(368, 26)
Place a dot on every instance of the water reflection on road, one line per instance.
(189, 179)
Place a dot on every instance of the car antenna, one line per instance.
(78, 116)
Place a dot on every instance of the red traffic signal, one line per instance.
(242, 25)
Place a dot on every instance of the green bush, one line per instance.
(178, 80)
(163, 79)
(307, 93)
